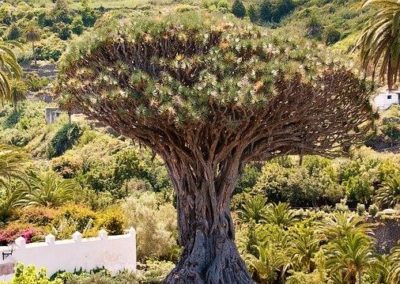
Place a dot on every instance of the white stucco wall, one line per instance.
(114, 253)
(381, 101)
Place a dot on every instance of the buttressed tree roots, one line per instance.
(208, 97)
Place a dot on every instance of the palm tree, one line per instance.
(11, 198)
(379, 43)
(253, 209)
(279, 214)
(394, 270)
(12, 162)
(32, 35)
(304, 244)
(270, 264)
(349, 257)
(9, 68)
(50, 190)
(389, 194)
(341, 224)
(18, 92)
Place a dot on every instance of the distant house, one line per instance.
(386, 99)
(52, 113)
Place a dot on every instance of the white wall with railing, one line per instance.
(114, 253)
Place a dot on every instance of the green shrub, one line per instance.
(332, 36)
(65, 33)
(40, 216)
(67, 166)
(45, 20)
(35, 82)
(253, 14)
(238, 9)
(282, 9)
(314, 28)
(72, 218)
(14, 32)
(361, 209)
(77, 26)
(113, 221)
(88, 17)
(156, 271)
(373, 210)
(64, 139)
(155, 224)
(47, 53)
(29, 275)
(99, 277)
(265, 11)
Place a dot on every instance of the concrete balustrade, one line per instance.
(114, 253)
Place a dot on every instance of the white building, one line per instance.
(386, 99)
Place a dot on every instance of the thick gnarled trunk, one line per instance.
(206, 228)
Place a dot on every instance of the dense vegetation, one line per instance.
(298, 219)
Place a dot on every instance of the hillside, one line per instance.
(293, 214)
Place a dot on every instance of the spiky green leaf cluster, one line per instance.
(173, 66)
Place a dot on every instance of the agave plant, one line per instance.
(279, 214)
(379, 44)
(50, 190)
(389, 194)
(12, 162)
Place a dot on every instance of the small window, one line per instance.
(389, 97)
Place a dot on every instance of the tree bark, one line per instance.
(206, 228)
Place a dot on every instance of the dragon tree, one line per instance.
(209, 95)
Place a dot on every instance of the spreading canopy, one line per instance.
(209, 96)
(182, 86)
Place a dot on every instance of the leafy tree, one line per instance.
(282, 9)
(238, 9)
(253, 14)
(32, 35)
(266, 11)
(204, 97)
(379, 44)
